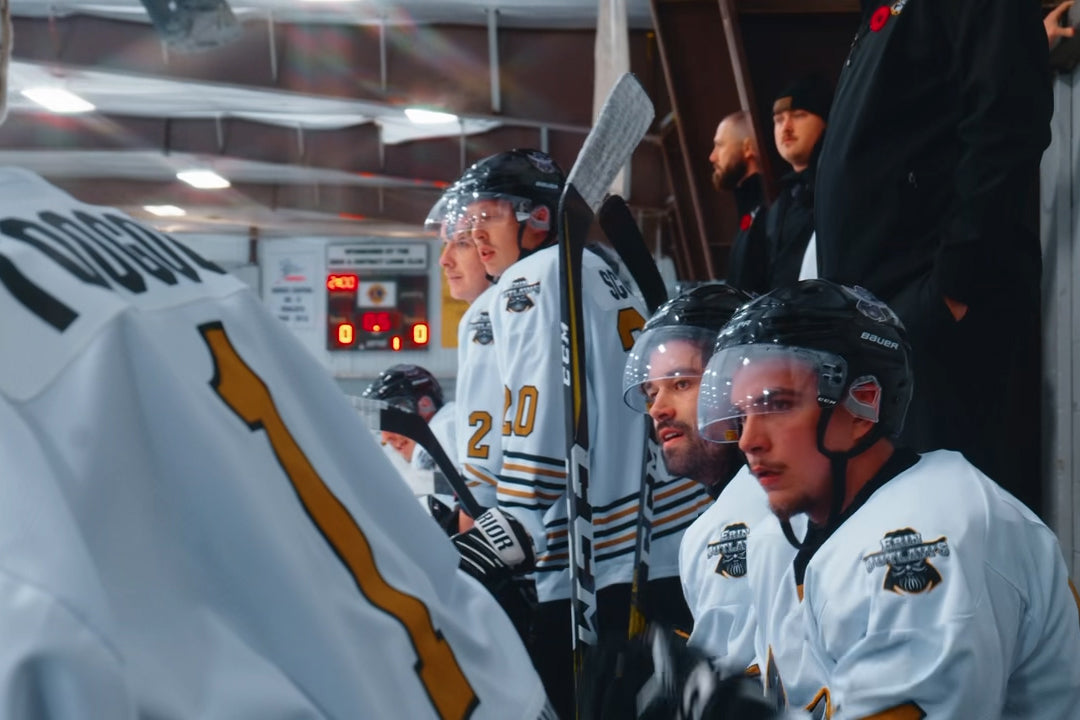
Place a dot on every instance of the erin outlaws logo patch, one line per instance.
(907, 557)
(731, 547)
(517, 295)
(480, 329)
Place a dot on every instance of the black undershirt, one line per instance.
(898, 462)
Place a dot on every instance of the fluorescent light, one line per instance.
(58, 100)
(165, 210)
(420, 116)
(203, 179)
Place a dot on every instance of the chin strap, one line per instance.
(838, 462)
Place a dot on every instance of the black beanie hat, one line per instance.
(812, 93)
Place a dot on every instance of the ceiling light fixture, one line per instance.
(165, 210)
(203, 179)
(58, 100)
(421, 116)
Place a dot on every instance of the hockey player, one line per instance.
(662, 376)
(510, 204)
(414, 389)
(194, 523)
(480, 404)
(922, 588)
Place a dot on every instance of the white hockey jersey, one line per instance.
(193, 521)
(713, 571)
(942, 596)
(532, 483)
(480, 402)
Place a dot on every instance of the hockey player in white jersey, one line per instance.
(195, 524)
(922, 588)
(509, 203)
(662, 376)
(479, 403)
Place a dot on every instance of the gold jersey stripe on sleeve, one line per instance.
(907, 711)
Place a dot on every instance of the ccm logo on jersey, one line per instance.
(907, 557)
(884, 342)
(517, 295)
(731, 547)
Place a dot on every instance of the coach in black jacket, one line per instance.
(926, 195)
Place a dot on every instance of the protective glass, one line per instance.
(761, 380)
(514, 205)
(670, 357)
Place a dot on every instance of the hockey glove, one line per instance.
(443, 514)
(498, 552)
(655, 676)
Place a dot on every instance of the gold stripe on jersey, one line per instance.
(798, 589)
(480, 475)
(534, 470)
(820, 708)
(754, 671)
(907, 711)
(1076, 595)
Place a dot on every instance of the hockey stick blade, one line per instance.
(414, 427)
(622, 230)
(623, 120)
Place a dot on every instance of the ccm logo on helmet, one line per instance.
(884, 342)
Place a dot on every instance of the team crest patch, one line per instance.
(480, 328)
(869, 305)
(541, 162)
(731, 547)
(517, 295)
(907, 557)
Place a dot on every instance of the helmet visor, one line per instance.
(764, 379)
(671, 356)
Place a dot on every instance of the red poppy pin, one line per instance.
(879, 18)
(744, 222)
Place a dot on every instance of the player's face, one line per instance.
(403, 445)
(460, 261)
(672, 394)
(781, 443)
(727, 158)
(494, 228)
(796, 132)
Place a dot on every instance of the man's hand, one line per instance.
(1052, 23)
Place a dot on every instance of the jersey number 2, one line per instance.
(246, 394)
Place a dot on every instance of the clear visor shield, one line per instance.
(752, 380)
(478, 208)
(667, 358)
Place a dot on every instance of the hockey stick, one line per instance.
(622, 230)
(414, 427)
(620, 125)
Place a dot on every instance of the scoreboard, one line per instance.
(376, 295)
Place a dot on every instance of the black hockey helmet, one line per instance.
(407, 387)
(695, 316)
(852, 339)
(527, 178)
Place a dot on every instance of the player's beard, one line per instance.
(708, 463)
(729, 178)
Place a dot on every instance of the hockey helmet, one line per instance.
(694, 317)
(407, 387)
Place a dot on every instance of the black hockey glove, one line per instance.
(443, 514)
(499, 553)
(655, 676)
